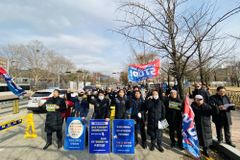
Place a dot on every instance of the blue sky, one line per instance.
(79, 29)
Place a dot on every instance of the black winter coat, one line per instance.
(156, 112)
(110, 96)
(203, 123)
(221, 116)
(84, 107)
(174, 110)
(101, 108)
(136, 106)
(54, 119)
(121, 104)
(201, 92)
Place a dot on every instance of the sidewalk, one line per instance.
(235, 129)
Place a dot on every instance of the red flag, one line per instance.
(2, 71)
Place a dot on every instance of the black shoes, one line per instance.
(144, 146)
(151, 148)
(206, 153)
(160, 148)
(181, 148)
(136, 143)
(49, 144)
(173, 144)
(231, 144)
(46, 146)
(220, 141)
(60, 145)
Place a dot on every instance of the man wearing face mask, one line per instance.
(174, 118)
(101, 106)
(156, 112)
(200, 91)
(137, 107)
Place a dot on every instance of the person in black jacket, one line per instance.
(200, 91)
(110, 95)
(84, 105)
(137, 111)
(202, 119)
(101, 106)
(174, 110)
(121, 103)
(54, 107)
(222, 119)
(156, 112)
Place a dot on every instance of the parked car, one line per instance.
(40, 97)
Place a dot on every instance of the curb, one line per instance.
(227, 150)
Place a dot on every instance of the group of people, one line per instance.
(146, 108)
(216, 107)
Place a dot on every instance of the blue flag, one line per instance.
(18, 91)
(190, 139)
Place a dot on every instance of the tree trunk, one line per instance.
(180, 87)
(168, 77)
(200, 62)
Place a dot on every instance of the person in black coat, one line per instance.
(110, 95)
(137, 112)
(202, 119)
(200, 91)
(121, 104)
(174, 110)
(54, 107)
(84, 105)
(156, 112)
(222, 119)
(101, 106)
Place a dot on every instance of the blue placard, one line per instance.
(123, 136)
(75, 134)
(99, 136)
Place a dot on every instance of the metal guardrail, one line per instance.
(11, 105)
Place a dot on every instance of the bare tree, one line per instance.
(167, 29)
(37, 60)
(124, 78)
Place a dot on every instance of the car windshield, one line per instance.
(41, 94)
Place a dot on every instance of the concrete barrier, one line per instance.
(227, 150)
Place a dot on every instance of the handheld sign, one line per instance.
(75, 134)
(51, 107)
(123, 136)
(99, 136)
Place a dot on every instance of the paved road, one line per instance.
(14, 147)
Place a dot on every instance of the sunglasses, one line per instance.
(199, 99)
